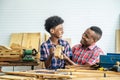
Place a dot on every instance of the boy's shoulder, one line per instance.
(46, 42)
(63, 41)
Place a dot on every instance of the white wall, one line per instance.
(29, 16)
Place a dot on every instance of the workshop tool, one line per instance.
(103, 69)
(109, 60)
(28, 55)
(116, 67)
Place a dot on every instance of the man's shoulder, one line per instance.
(100, 50)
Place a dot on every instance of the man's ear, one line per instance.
(51, 31)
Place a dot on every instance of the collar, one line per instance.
(90, 47)
(59, 41)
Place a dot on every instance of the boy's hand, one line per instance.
(51, 50)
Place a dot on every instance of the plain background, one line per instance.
(29, 16)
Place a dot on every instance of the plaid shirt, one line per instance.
(55, 63)
(89, 55)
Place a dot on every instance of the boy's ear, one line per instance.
(51, 31)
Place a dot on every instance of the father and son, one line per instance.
(85, 53)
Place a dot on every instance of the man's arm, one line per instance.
(68, 60)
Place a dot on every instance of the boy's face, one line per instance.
(57, 31)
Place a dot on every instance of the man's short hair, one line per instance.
(97, 30)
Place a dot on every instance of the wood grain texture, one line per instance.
(97, 78)
(69, 74)
(13, 77)
(31, 40)
(118, 41)
(16, 40)
(39, 75)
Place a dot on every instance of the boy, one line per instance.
(53, 25)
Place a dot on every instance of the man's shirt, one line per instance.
(55, 63)
(88, 55)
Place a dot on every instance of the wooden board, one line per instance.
(13, 77)
(19, 63)
(10, 55)
(118, 41)
(97, 78)
(39, 75)
(26, 40)
(4, 48)
(87, 71)
(31, 40)
(16, 40)
(68, 75)
(89, 74)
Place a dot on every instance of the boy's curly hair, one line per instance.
(52, 22)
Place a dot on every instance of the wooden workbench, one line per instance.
(20, 63)
(63, 74)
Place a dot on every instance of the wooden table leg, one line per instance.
(32, 67)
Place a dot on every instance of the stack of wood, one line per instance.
(8, 54)
(18, 42)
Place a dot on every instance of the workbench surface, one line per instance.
(62, 74)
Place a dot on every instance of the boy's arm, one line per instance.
(49, 59)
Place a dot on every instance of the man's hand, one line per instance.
(65, 57)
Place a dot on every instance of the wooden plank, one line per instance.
(4, 48)
(90, 74)
(16, 40)
(31, 40)
(97, 78)
(39, 75)
(40, 66)
(13, 77)
(118, 41)
(19, 63)
(10, 55)
(87, 71)
(80, 75)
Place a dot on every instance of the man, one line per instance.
(53, 25)
(87, 53)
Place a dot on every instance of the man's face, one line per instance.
(58, 31)
(88, 38)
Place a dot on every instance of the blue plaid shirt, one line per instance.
(55, 63)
